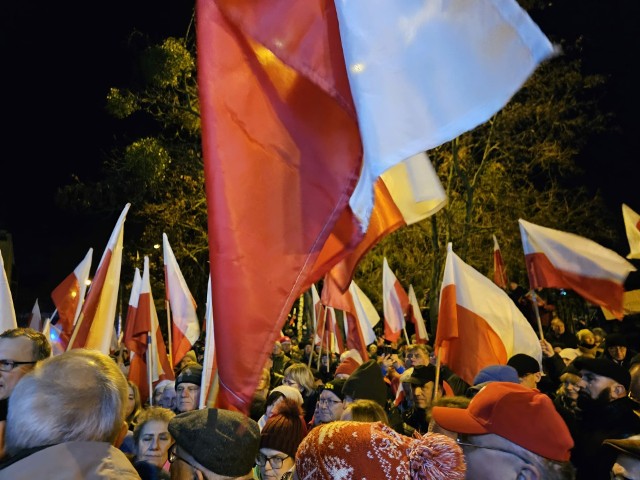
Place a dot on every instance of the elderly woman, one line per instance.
(153, 440)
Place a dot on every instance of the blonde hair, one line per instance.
(363, 410)
(303, 376)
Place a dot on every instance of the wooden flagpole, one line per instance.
(170, 353)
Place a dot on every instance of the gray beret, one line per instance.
(222, 441)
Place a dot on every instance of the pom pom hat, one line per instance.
(285, 428)
(522, 415)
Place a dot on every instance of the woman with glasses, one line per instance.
(153, 441)
(279, 440)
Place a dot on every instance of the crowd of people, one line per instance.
(317, 415)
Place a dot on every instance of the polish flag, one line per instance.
(134, 343)
(185, 324)
(632, 227)
(360, 314)
(321, 130)
(7, 312)
(499, 270)
(209, 388)
(68, 297)
(557, 259)
(415, 316)
(395, 304)
(478, 324)
(317, 314)
(94, 327)
(35, 319)
(149, 363)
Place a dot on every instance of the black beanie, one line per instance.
(367, 382)
(285, 429)
(192, 373)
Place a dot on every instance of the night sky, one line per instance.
(59, 60)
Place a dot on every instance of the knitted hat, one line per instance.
(616, 340)
(367, 382)
(285, 428)
(569, 353)
(222, 441)
(522, 415)
(605, 368)
(347, 366)
(373, 450)
(335, 386)
(192, 373)
(524, 364)
(288, 392)
(284, 339)
(497, 373)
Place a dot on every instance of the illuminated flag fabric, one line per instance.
(557, 259)
(35, 319)
(68, 297)
(415, 315)
(478, 324)
(134, 340)
(499, 270)
(395, 302)
(632, 227)
(7, 312)
(276, 80)
(209, 388)
(185, 325)
(94, 327)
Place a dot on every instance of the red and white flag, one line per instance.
(632, 227)
(94, 327)
(185, 324)
(415, 315)
(7, 312)
(395, 302)
(131, 341)
(317, 313)
(149, 362)
(68, 297)
(318, 79)
(499, 270)
(557, 259)
(35, 319)
(209, 390)
(478, 324)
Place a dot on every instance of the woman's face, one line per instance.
(154, 443)
(131, 403)
(270, 457)
(571, 389)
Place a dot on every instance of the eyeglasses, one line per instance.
(8, 365)
(463, 441)
(328, 402)
(173, 456)
(275, 461)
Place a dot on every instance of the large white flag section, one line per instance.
(478, 324)
(7, 312)
(557, 259)
(330, 95)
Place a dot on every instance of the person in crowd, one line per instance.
(627, 464)
(492, 373)
(554, 366)
(189, 358)
(279, 440)
(213, 444)
(455, 401)
(280, 360)
(285, 343)
(422, 381)
(65, 416)
(586, 343)
(566, 397)
(364, 411)
(349, 361)
(168, 398)
(188, 388)
(330, 402)
(606, 413)
(259, 401)
(617, 350)
(366, 382)
(20, 350)
(301, 377)
(153, 440)
(600, 335)
(374, 450)
(158, 389)
(559, 337)
(568, 355)
(132, 410)
(510, 431)
(275, 396)
(528, 368)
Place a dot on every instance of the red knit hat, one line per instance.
(373, 450)
(347, 366)
(285, 428)
(522, 415)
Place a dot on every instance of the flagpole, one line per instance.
(150, 368)
(534, 300)
(437, 382)
(324, 324)
(406, 337)
(170, 352)
(75, 331)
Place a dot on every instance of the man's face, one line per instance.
(557, 326)
(330, 407)
(423, 394)
(618, 352)
(417, 357)
(595, 390)
(187, 397)
(286, 347)
(489, 457)
(168, 399)
(19, 349)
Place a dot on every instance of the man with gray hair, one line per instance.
(65, 417)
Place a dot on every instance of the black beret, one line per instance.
(605, 368)
(222, 441)
(616, 340)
